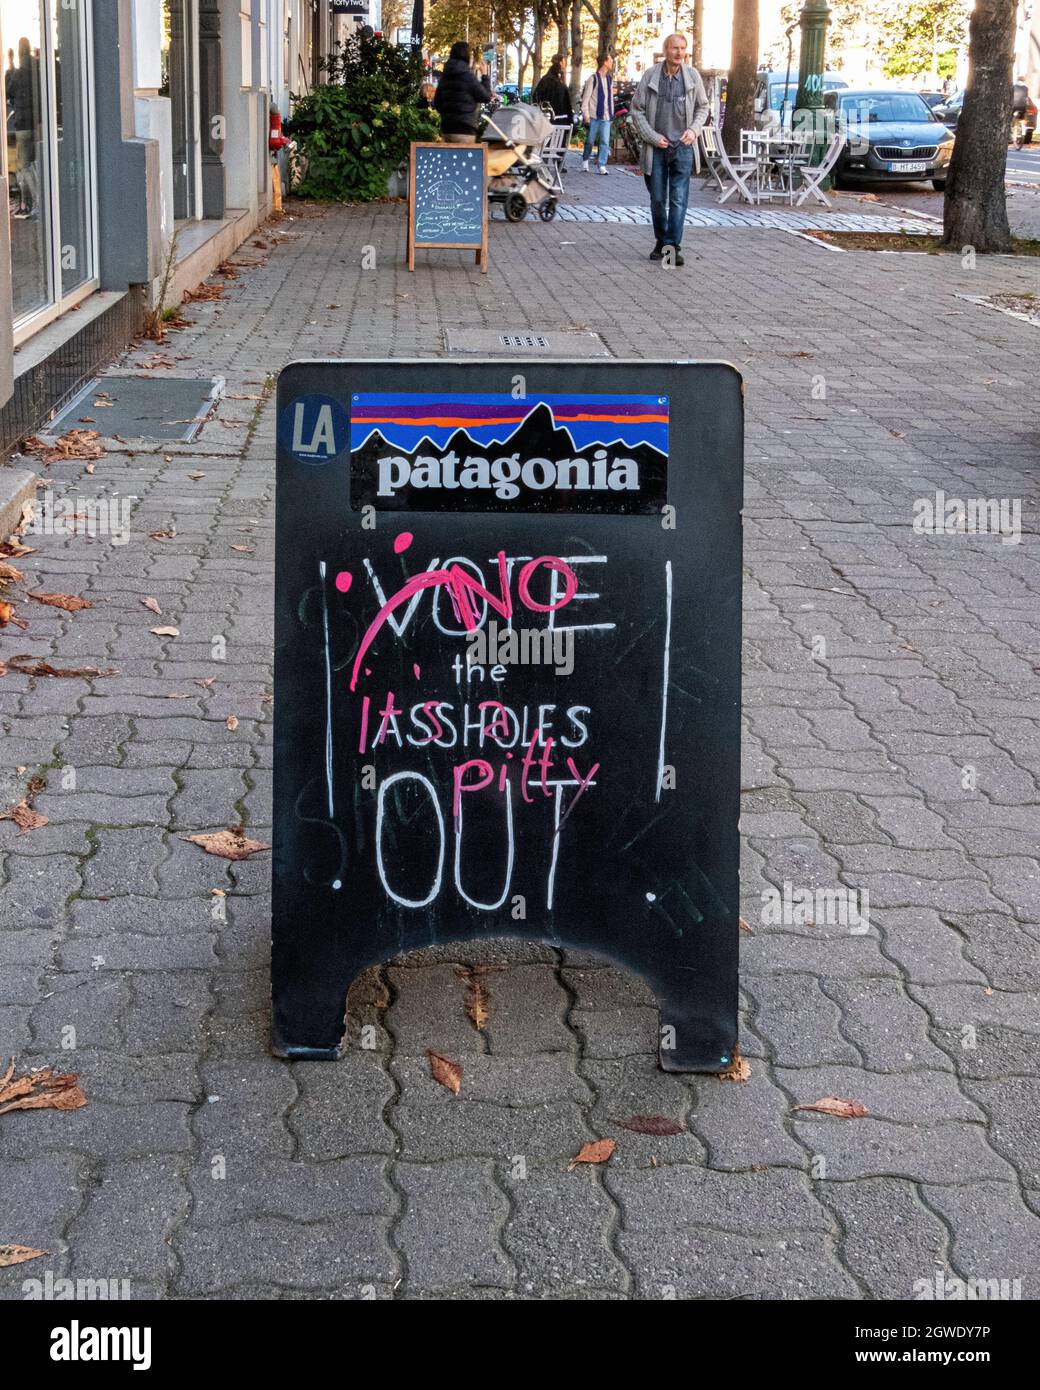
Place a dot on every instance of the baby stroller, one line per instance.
(518, 175)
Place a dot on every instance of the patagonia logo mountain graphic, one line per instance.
(485, 452)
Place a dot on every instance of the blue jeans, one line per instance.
(599, 131)
(669, 185)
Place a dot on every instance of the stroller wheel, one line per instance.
(516, 207)
(547, 210)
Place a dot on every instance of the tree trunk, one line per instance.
(975, 211)
(536, 53)
(743, 67)
(558, 14)
(697, 47)
(577, 50)
(608, 26)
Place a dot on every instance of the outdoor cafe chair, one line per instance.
(553, 152)
(737, 175)
(709, 140)
(813, 175)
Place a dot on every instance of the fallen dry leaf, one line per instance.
(167, 535)
(232, 722)
(70, 602)
(595, 1151)
(203, 292)
(77, 444)
(228, 844)
(744, 926)
(205, 681)
(245, 549)
(88, 467)
(478, 999)
(42, 1089)
(25, 665)
(178, 695)
(152, 604)
(738, 1070)
(652, 1124)
(165, 631)
(24, 816)
(196, 475)
(7, 616)
(445, 1072)
(15, 549)
(10, 573)
(18, 1254)
(837, 1105)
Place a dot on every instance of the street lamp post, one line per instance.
(813, 22)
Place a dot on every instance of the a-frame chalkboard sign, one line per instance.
(447, 199)
(507, 677)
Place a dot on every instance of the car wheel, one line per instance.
(939, 185)
(516, 207)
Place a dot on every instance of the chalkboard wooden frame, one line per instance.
(480, 252)
(650, 881)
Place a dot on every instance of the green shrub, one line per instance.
(354, 130)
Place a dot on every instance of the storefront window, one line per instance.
(178, 68)
(74, 168)
(49, 151)
(22, 35)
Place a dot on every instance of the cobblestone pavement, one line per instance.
(892, 746)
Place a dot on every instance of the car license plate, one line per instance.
(908, 166)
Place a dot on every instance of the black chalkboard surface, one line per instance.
(447, 198)
(507, 677)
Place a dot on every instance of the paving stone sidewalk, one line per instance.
(892, 745)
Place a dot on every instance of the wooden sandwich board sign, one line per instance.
(507, 677)
(447, 198)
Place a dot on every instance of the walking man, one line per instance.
(597, 111)
(669, 110)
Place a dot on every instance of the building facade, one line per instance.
(134, 133)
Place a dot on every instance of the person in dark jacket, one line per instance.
(552, 89)
(24, 95)
(460, 93)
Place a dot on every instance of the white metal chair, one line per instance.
(709, 142)
(814, 175)
(553, 152)
(737, 175)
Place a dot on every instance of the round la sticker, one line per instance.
(314, 429)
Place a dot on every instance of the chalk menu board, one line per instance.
(507, 677)
(447, 198)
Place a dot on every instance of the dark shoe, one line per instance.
(657, 253)
(679, 257)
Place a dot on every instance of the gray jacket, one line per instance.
(643, 113)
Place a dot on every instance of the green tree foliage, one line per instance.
(921, 37)
(354, 129)
(911, 38)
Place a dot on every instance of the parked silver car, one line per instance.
(893, 137)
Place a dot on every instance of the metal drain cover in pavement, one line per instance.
(140, 407)
(493, 342)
